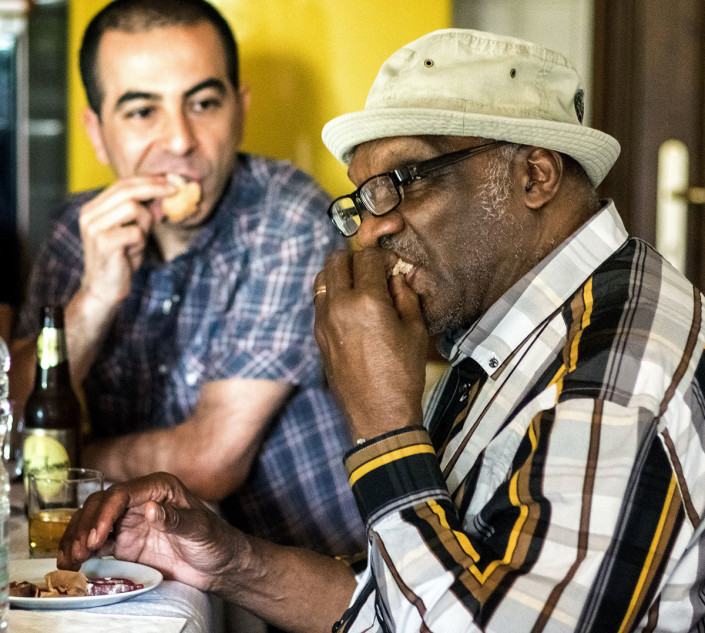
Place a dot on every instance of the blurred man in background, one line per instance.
(192, 338)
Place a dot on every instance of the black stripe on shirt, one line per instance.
(656, 508)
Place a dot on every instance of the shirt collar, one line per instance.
(537, 295)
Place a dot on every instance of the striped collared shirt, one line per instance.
(568, 492)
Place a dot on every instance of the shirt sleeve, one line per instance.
(577, 534)
(268, 332)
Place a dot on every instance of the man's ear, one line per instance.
(91, 121)
(542, 177)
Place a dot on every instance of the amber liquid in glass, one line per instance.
(46, 529)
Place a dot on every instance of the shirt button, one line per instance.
(166, 306)
(191, 378)
(162, 369)
(463, 392)
(175, 298)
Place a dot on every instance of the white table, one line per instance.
(204, 613)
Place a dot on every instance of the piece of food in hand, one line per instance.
(400, 268)
(183, 203)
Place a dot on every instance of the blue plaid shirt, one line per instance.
(236, 304)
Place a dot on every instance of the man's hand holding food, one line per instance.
(114, 229)
(373, 340)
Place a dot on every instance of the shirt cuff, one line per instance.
(394, 471)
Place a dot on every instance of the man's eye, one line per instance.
(203, 105)
(418, 183)
(139, 113)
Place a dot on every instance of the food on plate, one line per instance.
(111, 584)
(183, 203)
(24, 589)
(401, 268)
(64, 584)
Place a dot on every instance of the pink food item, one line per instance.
(111, 585)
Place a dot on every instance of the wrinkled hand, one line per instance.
(114, 227)
(155, 521)
(373, 341)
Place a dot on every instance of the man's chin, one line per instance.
(439, 320)
(434, 323)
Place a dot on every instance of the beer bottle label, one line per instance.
(50, 348)
(44, 451)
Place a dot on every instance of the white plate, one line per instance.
(34, 570)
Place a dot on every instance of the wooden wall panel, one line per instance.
(649, 85)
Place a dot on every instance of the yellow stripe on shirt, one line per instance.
(651, 555)
(585, 321)
(388, 458)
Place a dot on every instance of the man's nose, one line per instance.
(373, 227)
(178, 134)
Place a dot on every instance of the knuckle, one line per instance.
(336, 257)
(368, 305)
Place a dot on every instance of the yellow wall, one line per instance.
(305, 61)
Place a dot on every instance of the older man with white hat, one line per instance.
(556, 478)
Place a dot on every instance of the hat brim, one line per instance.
(593, 149)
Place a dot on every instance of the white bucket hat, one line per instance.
(459, 82)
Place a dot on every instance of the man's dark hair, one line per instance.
(135, 16)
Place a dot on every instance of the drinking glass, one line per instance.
(52, 498)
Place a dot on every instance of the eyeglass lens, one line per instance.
(345, 216)
(379, 195)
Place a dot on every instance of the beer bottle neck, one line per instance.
(52, 360)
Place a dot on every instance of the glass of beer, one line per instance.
(52, 498)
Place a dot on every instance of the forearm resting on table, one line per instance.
(212, 452)
(181, 451)
(295, 589)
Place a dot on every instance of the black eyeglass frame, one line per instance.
(404, 176)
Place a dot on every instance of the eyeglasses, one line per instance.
(383, 193)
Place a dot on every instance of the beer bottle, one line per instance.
(52, 416)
